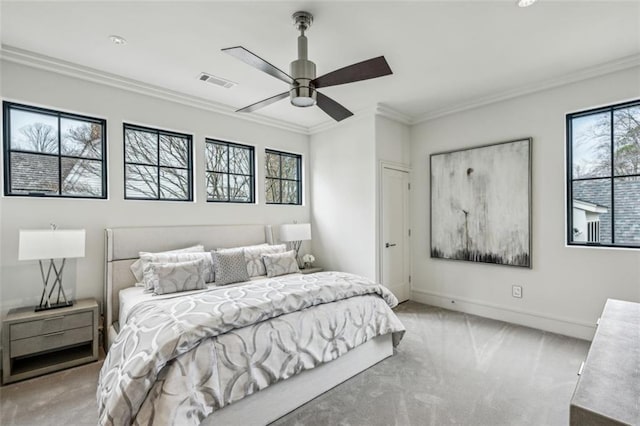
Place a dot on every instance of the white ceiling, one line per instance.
(443, 54)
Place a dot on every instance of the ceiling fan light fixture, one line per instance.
(525, 3)
(303, 96)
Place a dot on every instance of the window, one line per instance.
(603, 176)
(49, 153)
(283, 183)
(230, 172)
(157, 165)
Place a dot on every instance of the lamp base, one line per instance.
(65, 304)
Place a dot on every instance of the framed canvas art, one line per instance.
(481, 204)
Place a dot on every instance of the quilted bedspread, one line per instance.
(177, 360)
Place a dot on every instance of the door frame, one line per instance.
(402, 168)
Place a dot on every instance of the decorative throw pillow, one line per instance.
(137, 267)
(281, 263)
(230, 267)
(174, 277)
(180, 257)
(253, 257)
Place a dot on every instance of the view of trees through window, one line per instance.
(604, 175)
(283, 183)
(158, 164)
(50, 153)
(230, 172)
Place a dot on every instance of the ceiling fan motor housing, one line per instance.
(302, 92)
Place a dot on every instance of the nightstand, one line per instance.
(311, 270)
(36, 343)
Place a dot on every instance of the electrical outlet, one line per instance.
(516, 291)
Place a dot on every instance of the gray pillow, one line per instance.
(230, 266)
(177, 258)
(253, 257)
(281, 263)
(137, 267)
(174, 277)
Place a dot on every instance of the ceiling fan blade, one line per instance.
(263, 103)
(371, 68)
(331, 107)
(256, 61)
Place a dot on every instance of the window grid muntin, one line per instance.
(612, 174)
(251, 176)
(280, 179)
(157, 166)
(59, 115)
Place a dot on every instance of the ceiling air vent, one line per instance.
(218, 81)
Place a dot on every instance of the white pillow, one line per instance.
(166, 278)
(253, 257)
(137, 267)
(179, 257)
(280, 263)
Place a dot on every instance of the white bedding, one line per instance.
(131, 296)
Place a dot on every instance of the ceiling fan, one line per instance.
(302, 78)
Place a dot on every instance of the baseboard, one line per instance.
(564, 326)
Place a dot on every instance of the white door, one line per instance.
(395, 245)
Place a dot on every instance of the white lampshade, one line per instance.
(295, 232)
(51, 244)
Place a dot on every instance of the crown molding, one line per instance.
(377, 110)
(619, 64)
(36, 60)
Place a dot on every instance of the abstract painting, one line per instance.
(481, 204)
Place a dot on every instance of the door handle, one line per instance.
(387, 245)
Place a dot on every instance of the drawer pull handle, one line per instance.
(581, 368)
(59, 333)
(53, 318)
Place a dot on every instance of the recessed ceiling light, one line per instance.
(116, 39)
(525, 3)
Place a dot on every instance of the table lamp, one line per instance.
(295, 233)
(51, 244)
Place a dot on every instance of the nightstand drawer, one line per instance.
(55, 340)
(50, 325)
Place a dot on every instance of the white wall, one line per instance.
(567, 287)
(393, 146)
(20, 283)
(343, 176)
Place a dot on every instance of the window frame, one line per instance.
(252, 168)
(298, 179)
(7, 106)
(611, 177)
(158, 132)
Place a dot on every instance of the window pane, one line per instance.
(591, 150)
(31, 131)
(216, 157)
(289, 167)
(141, 147)
(81, 177)
(81, 138)
(239, 160)
(627, 210)
(174, 151)
(273, 165)
(174, 184)
(34, 173)
(272, 189)
(240, 188)
(141, 182)
(289, 192)
(627, 141)
(591, 204)
(217, 186)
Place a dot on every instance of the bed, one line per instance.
(192, 384)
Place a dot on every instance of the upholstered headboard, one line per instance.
(122, 246)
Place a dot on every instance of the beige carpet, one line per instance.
(451, 368)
